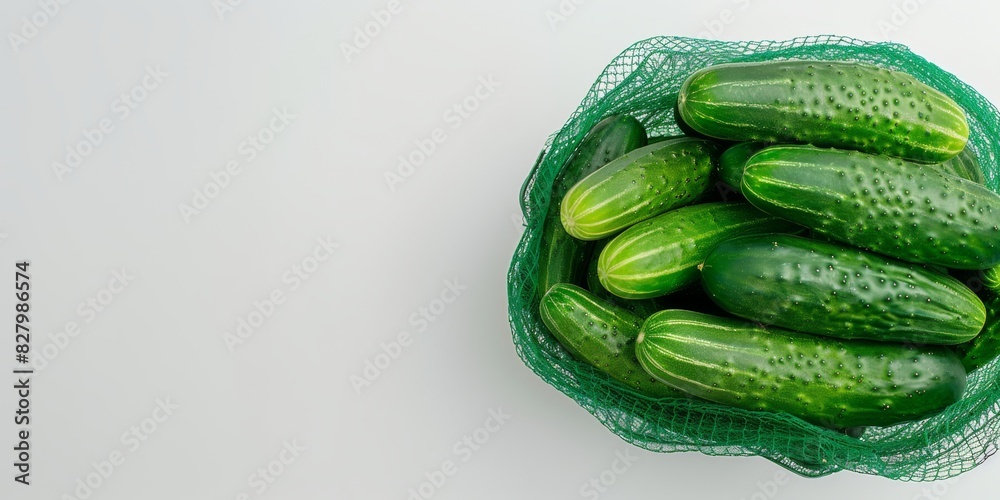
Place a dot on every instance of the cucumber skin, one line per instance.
(561, 257)
(985, 346)
(839, 291)
(733, 159)
(829, 382)
(601, 334)
(966, 166)
(661, 255)
(906, 210)
(641, 184)
(642, 307)
(825, 103)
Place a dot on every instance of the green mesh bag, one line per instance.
(643, 81)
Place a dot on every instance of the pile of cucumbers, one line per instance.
(804, 249)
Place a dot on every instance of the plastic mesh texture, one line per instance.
(643, 81)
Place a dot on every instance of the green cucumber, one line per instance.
(830, 382)
(839, 291)
(966, 166)
(825, 103)
(907, 210)
(732, 161)
(986, 346)
(661, 255)
(991, 279)
(561, 257)
(642, 307)
(601, 334)
(641, 184)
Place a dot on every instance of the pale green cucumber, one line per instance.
(661, 255)
(639, 185)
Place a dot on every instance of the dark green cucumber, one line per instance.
(561, 257)
(661, 255)
(641, 307)
(732, 161)
(966, 166)
(599, 333)
(991, 279)
(830, 382)
(986, 346)
(839, 291)
(825, 103)
(637, 186)
(906, 210)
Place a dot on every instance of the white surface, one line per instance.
(323, 176)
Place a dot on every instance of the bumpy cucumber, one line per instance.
(601, 334)
(839, 291)
(830, 382)
(661, 255)
(641, 307)
(966, 166)
(902, 209)
(637, 186)
(826, 103)
(986, 346)
(733, 159)
(561, 257)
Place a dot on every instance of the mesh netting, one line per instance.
(643, 82)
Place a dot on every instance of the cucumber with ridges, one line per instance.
(661, 255)
(839, 291)
(986, 346)
(906, 210)
(561, 257)
(601, 334)
(732, 161)
(830, 382)
(641, 184)
(641, 307)
(825, 103)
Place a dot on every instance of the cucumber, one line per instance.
(639, 185)
(561, 257)
(966, 166)
(986, 346)
(601, 334)
(991, 279)
(661, 255)
(661, 138)
(906, 210)
(732, 161)
(825, 103)
(642, 307)
(839, 291)
(830, 382)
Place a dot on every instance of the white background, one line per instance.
(323, 176)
